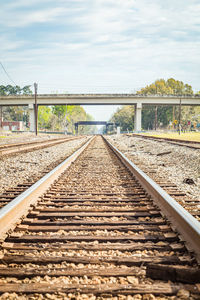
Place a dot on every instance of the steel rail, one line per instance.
(11, 145)
(18, 207)
(163, 138)
(31, 146)
(181, 220)
(183, 143)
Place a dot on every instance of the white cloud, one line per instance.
(37, 16)
(23, 3)
(115, 43)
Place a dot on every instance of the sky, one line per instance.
(99, 46)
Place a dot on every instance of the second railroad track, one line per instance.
(12, 149)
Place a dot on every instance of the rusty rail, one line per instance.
(183, 143)
(94, 229)
(14, 210)
(11, 149)
(182, 220)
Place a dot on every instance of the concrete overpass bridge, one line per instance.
(98, 99)
(77, 124)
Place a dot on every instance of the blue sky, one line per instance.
(97, 46)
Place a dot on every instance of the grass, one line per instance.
(187, 136)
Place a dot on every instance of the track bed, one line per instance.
(96, 233)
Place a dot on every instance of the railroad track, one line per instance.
(183, 198)
(12, 149)
(95, 231)
(184, 143)
(11, 193)
(190, 204)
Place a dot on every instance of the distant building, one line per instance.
(13, 125)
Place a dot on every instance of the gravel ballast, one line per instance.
(22, 167)
(174, 163)
(15, 138)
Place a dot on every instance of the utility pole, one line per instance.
(1, 117)
(173, 117)
(179, 118)
(36, 109)
(156, 116)
(65, 122)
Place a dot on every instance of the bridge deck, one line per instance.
(99, 99)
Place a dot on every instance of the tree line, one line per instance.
(62, 117)
(50, 118)
(153, 116)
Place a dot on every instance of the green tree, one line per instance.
(164, 113)
(59, 110)
(167, 87)
(14, 90)
(2, 90)
(44, 117)
(66, 115)
(15, 113)
(125, 115)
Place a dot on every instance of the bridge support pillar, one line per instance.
(76, 129)
(106, 128)
(32, 117)
(138, 117)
